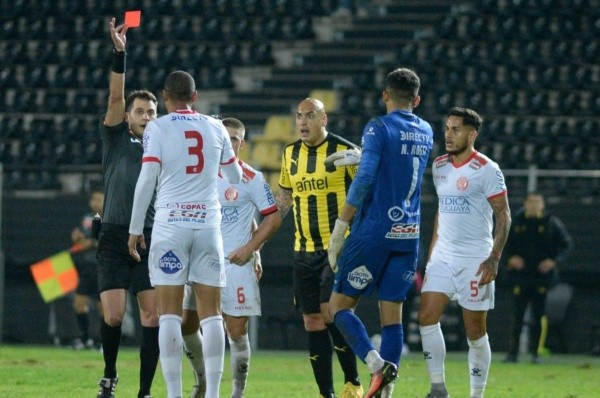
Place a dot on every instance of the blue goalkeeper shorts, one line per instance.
(364, 267)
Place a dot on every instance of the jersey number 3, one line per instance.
(196, 151)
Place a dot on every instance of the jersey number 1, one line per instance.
(195, 150)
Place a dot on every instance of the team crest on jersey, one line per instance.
(360, 277)
(231, 194)
(395, 213)
(462, 183)
(169, 263)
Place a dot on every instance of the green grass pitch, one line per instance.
(38, 371)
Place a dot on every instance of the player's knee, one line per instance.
(189, 324)
(149, 318)
(236, 331)
(314, 322)
(426, 317)
(113, 320)
(475, 332)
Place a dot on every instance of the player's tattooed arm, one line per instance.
(503, 220)
(489, 268)
(284, 201)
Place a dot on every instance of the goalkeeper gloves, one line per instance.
(348, 157)
(336, 241)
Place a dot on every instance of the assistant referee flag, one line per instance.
(55, 276)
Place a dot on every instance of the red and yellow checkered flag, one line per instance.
(55, 276)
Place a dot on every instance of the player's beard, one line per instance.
(458, 151)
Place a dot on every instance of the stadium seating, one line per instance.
(530, 67)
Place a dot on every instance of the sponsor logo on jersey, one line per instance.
(231, 194)
(395, 213)
(501, 183)
(403, 231)
(184, 117)
(415, 136)
(187, 206)
(462, 183)
(229, 214)
(198, 217)
(360, 277)
(169, 263)
(145, 140)
(454, 204)
(269, 194)
(313, 184)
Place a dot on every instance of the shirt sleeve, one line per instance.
(144, 190)
(372, 144)
(493, 182)
(284, 178)
(151, 144)
(227, 155)
(261, 195)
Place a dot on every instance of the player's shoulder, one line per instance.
(292, 145)
(480, 160)
(441, 161)
(338, 140)
(249, 173)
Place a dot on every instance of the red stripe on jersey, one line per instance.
(233, 159)
(150, 159)
(270, 210)
(457, 165)
(248, 173)
(480, 159)
(185, 111)
(503, 193)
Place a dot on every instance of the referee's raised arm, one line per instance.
(115, 113)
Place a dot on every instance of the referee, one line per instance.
(124, 125)
(317, 193)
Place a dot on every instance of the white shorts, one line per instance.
(178, 255)
(455, 276)
(241, 296)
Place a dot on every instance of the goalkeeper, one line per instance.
(381, 250)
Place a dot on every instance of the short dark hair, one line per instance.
(469, 117)
(141, 94)
(234, 123)
(180, 85)
(402, 84)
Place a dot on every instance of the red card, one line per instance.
(133, 18)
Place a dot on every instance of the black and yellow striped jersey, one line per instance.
(318, 192)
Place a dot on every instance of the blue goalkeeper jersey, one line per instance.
(387, 186)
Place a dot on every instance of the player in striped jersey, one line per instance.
(316, 193)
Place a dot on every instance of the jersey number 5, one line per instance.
(196, 151)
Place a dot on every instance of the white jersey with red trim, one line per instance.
(240, 204)
(465, 217)
(189, 147)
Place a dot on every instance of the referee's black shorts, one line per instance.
(313, 280)
(116, 268)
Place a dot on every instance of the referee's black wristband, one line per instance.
(118, 63)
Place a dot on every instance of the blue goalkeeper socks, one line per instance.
(392, 337)
(354, 333)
